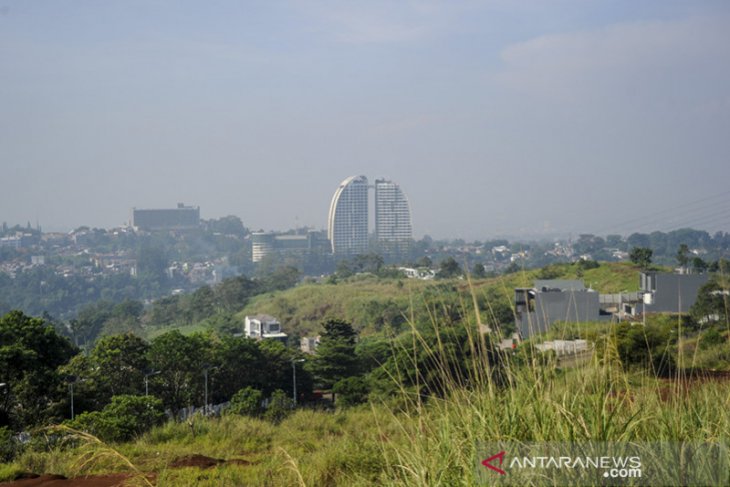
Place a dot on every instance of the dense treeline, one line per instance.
(42, 372)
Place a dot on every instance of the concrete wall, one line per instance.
(673, 293)
(566, 306)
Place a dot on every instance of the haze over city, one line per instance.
(495, 117)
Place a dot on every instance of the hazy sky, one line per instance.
(496, 117)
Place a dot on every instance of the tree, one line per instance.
(351, 391)
(280, 406)
(478, 271)
(371, 262)
(30, 353)
(712, 303)
(246, 402)
(683, 255)
(233, 294)
(335, 358)
(282, 277)
(118, 364)
(227, 225)
(151, 261)
(641, 256)
(277, 371)
(240, 364)
(699, 265)
(449, 268)
(180, 360)
(125, 418)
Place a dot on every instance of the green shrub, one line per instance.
(123, 419)
(351, 391)
(587, 264)
(711, 338)
(280, 406)
(8, 445)
(246, 402)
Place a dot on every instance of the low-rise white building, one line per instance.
(309, 344)
(261, 327)
(564, 347)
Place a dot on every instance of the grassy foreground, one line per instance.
(410, 442)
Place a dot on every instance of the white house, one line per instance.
(261, 327)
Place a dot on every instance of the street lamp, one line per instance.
(206, 368)
(146, 380)
(71, 379)
(294, 378)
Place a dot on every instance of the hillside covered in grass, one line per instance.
(371, 303)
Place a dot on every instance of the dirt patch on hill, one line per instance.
(32, 480)
(114, 480)
(200, 461)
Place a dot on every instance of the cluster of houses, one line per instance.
(549, 301)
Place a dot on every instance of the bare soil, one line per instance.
(114, 480)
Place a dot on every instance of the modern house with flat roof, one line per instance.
(550, 301)
(263, 327)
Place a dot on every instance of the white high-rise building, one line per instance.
(393, 229)
(347, 225)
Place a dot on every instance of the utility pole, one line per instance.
(294, 379)
(146, 381)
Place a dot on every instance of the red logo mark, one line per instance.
(488, 463)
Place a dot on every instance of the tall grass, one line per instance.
(537, 400)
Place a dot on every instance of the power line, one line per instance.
(681, 212)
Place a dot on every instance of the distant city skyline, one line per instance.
(502, 119)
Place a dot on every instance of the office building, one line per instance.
(268, 243)
(180, 218)
(347, 224)
(393, 229)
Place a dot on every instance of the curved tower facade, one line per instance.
(347, 224)
(393, 228)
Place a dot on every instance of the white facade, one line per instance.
(262, 244)
(262, 326)
(347, 224)
(564, 347)
(393, 228)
